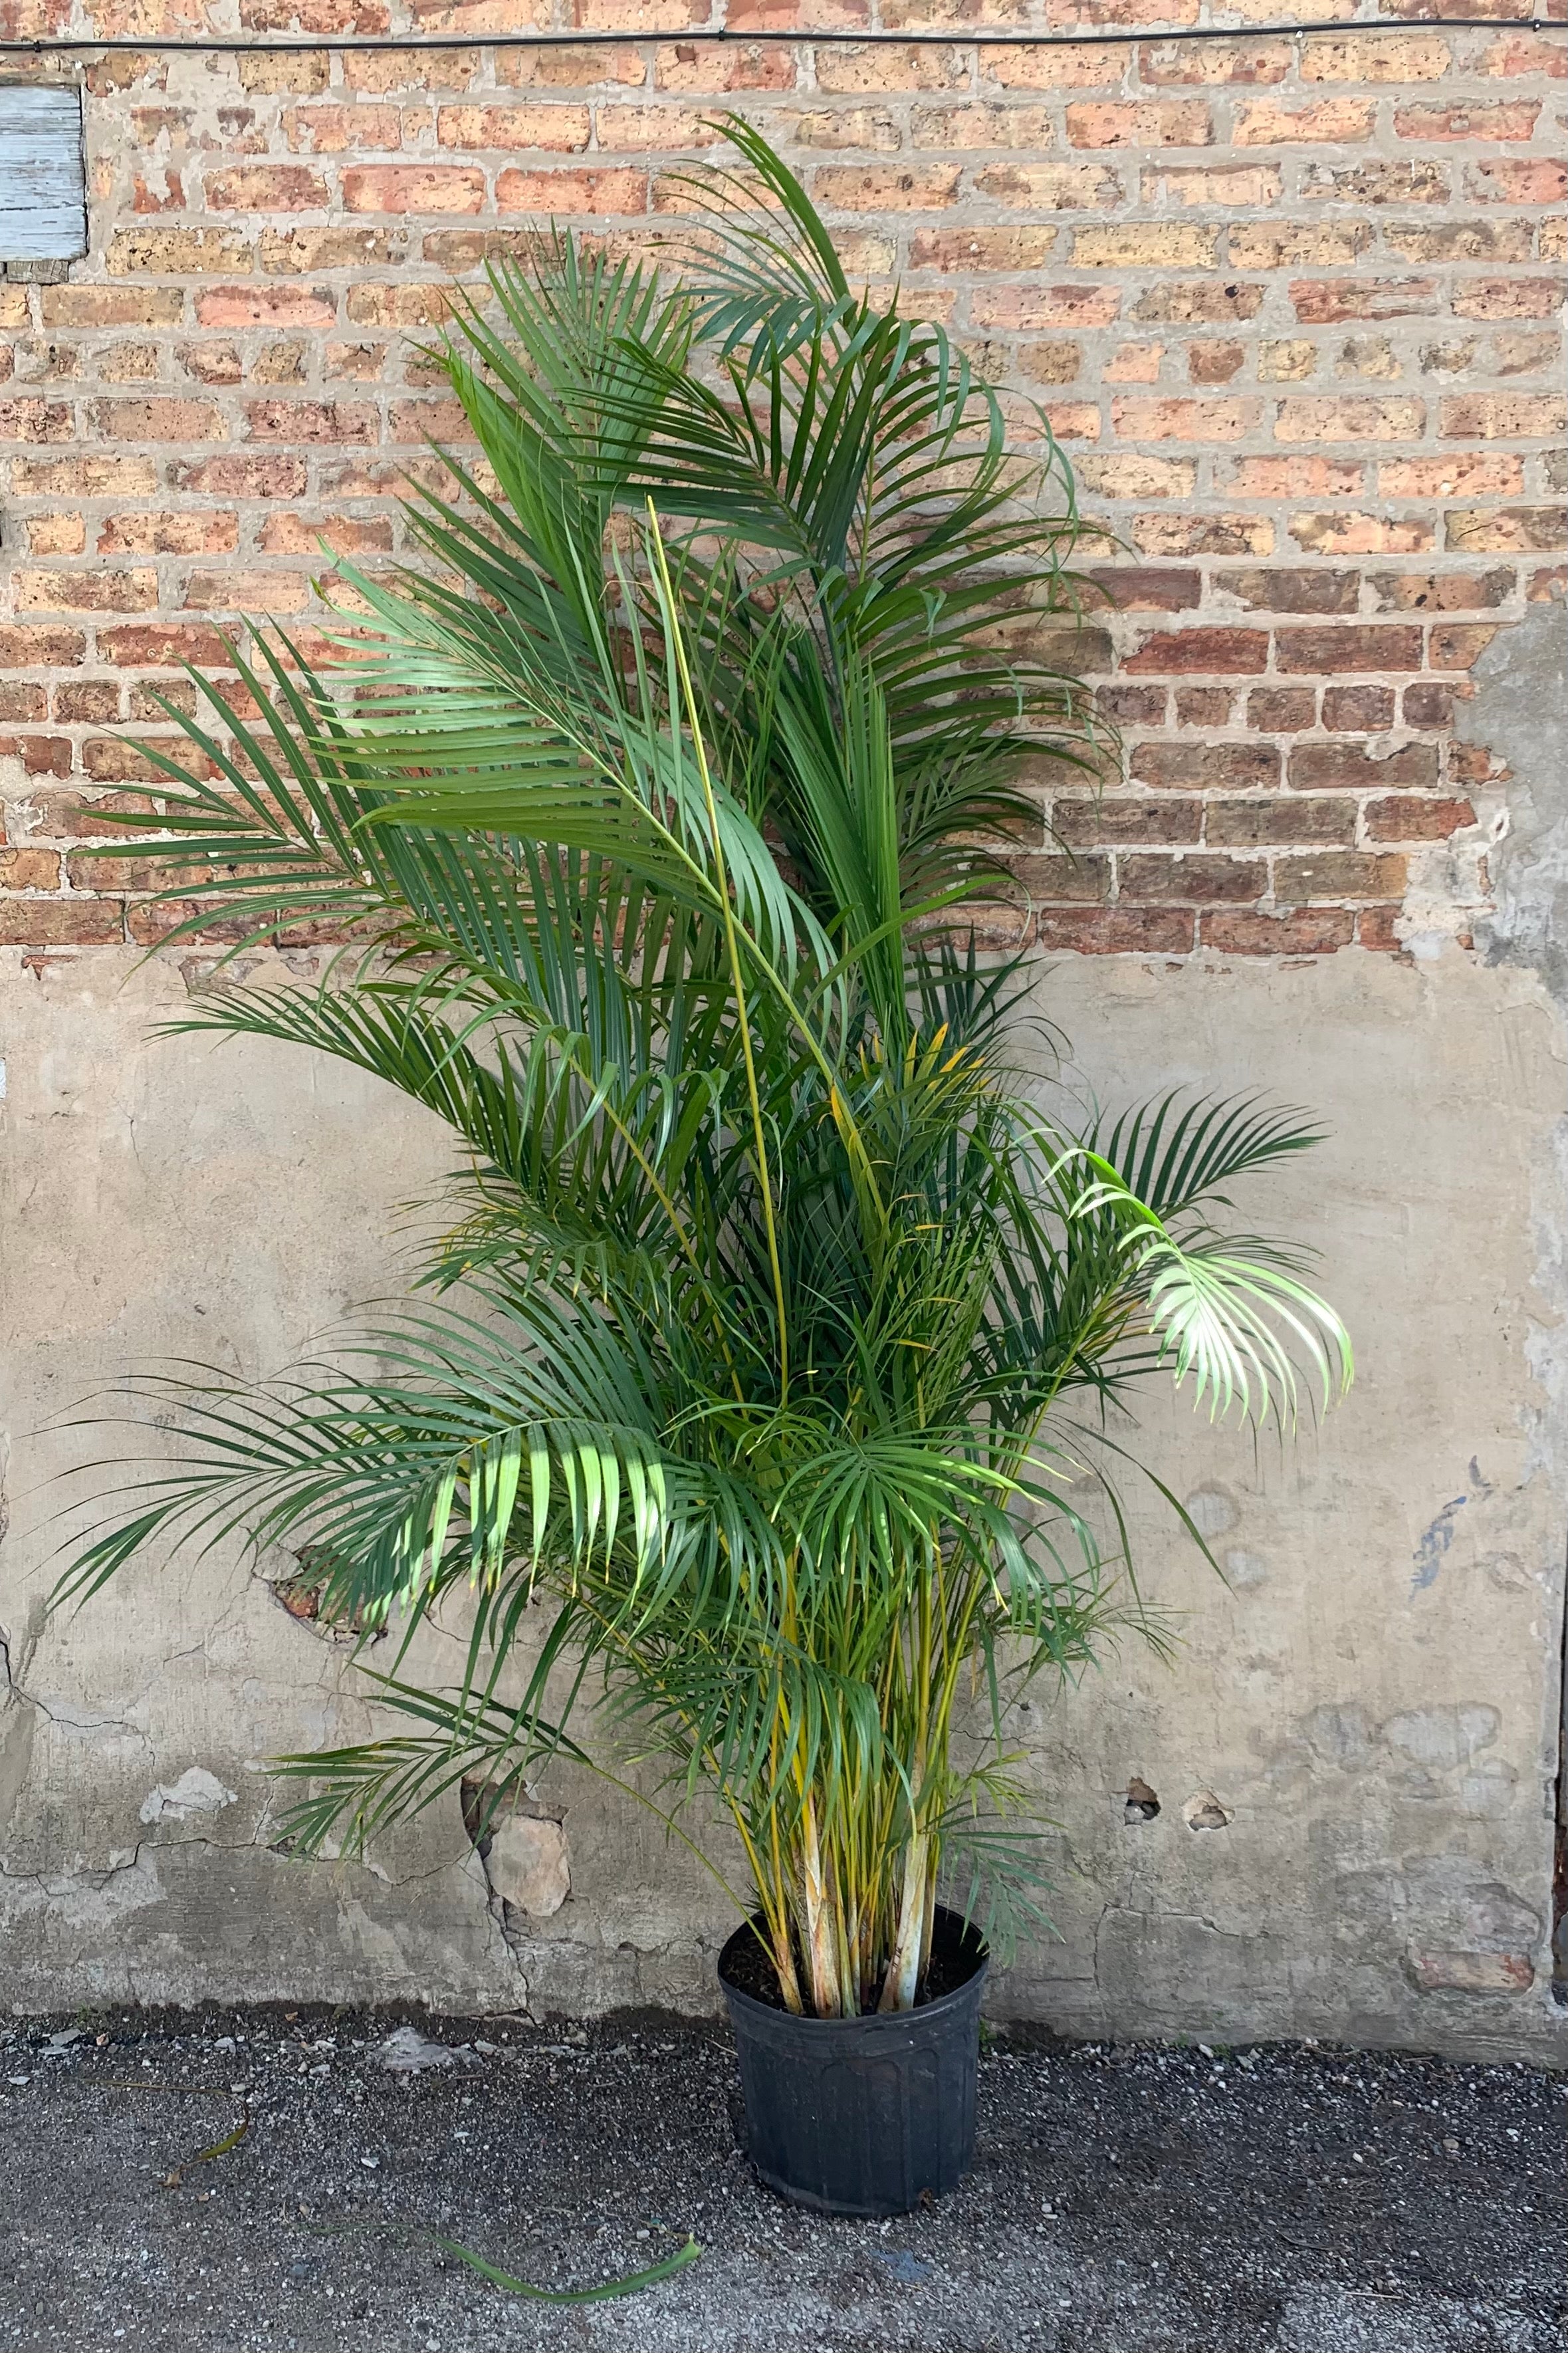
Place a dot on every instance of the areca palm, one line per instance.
(775, 1329)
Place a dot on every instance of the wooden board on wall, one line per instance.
(43, 187)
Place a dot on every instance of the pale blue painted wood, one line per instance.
(43, 187)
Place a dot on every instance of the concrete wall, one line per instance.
(1372, 1703)
(1290, 304)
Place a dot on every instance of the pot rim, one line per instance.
(893, 2021)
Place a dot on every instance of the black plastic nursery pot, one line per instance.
(863, 2115)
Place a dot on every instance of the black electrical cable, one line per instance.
(73, 45)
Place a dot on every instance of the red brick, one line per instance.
(235, 477)
(1272, 823)
(1505, 530)
(1319, 767)
(1458, 645)
(34, 420)
(1184, 420)
(267, 188)
(60, 923)
(1428, 704)
(1409, 816)
(1142, 124)
(564, 128)
(414, 188)
(1503, 416)
(311, 421)
(162, 645)
(1189, 651)
(1295, 591)
(1308, 418)
(1202, 706)
(1325, 301)
(1340, 874)
(1109, 821)
(1326, 651)
(1195, 881)
(38, 756)
(1282, 710)
(1515, 119)
(1134, 589)
(266, 306)
(591, 193)
(1538, 180)
(168, 532)
(980, 249)
(35, 647)
(158, 420)
(1115, 931)
(1378, 927)
(1205, 767)
(1313, 931)
(1369, 709)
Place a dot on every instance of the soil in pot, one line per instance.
(860, 2116)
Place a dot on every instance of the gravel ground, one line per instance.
(1124, 2199)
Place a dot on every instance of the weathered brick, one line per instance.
(590, 194)
(1503, 416)
(1352, 767)
(1192, 881)
(1518, 180)
(1299, 244)
(1116, 931)
(266, 188)
(1340, 874)
(1049, 187)
(1149, 244)
(1205, 767)
(1133, 588)
(1324, 301)
(311, 421)
(1307, 931)
(1184, 420)
(1505, 530)
(1227, 203)
(1028, 306)
(1369, 708)
(981, 249)
(266, 306)
(1205, 651)
(1375, 57)
(1282, 710)
(1415, 816)
(1198, 302)
(43, 923)
(1116, 820)
(168, 532)
(1202, 534)
(1279, 822)
(414, 188)
(564, 128)
(1345, 532)
(1141, 123)
(176, 252)
(1440, 592)
(1266, 123)
(111, 306)
(158, 420)
(1370, 647)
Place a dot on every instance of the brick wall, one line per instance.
(1288, 302)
